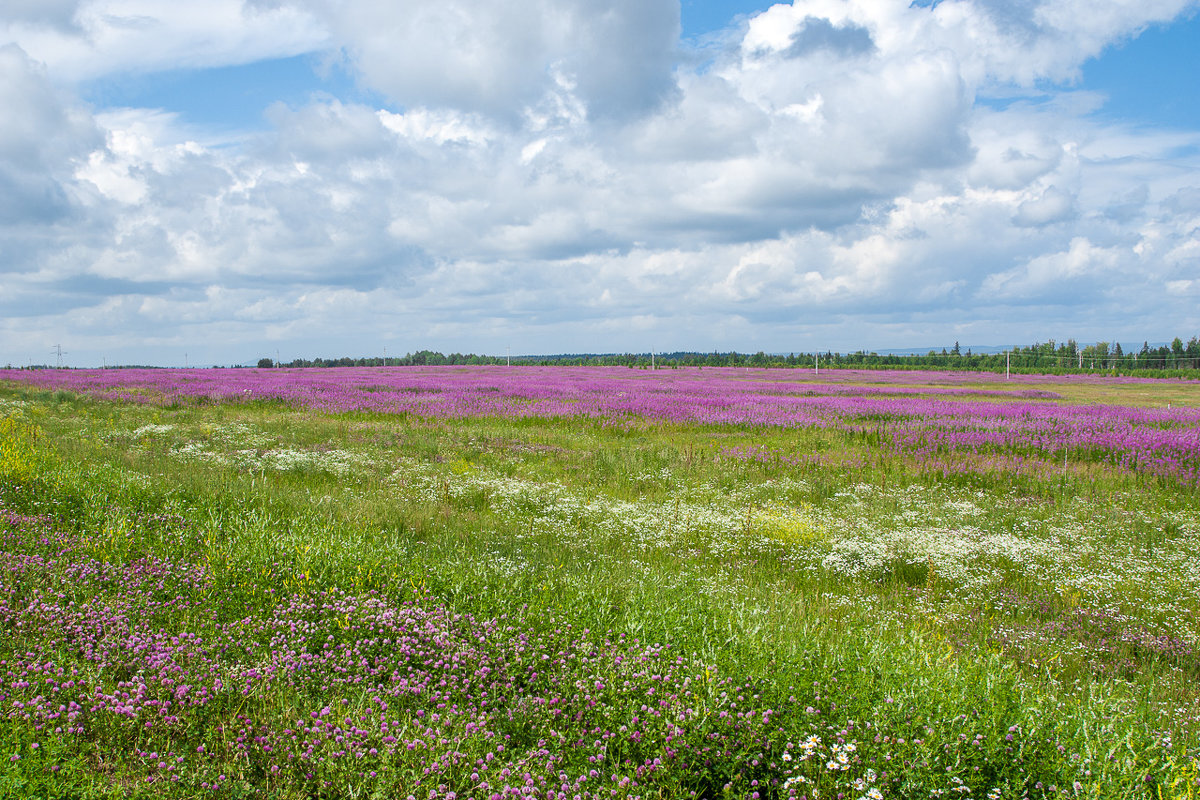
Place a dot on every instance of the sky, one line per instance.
(212, 183)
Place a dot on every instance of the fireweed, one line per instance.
(1006, 428)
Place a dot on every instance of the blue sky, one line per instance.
(317, 178)
(228, 98)
(1151, 80)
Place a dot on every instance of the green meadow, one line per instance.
(257, 600)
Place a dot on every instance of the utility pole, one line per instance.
(508, 355)
(651, 360)
(817, 363)
(1005, 365)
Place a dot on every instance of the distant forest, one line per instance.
(1176, 359)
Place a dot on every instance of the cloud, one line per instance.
(54, 14)
(1052, 205)
(817, 34)
(42, 137)
(41, 129)
(1079, 270)
(1010, 153)
(503, 57)
(82, 41)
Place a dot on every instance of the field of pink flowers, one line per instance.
(934, 418)
(438, 698)
(149, 668)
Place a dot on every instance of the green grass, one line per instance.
(946, 614)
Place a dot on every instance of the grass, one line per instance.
(645, 602)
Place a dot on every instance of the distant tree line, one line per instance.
(421, 358)
(1176, 359)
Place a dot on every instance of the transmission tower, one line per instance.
(58, 351)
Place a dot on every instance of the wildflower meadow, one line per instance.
(493, 582)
